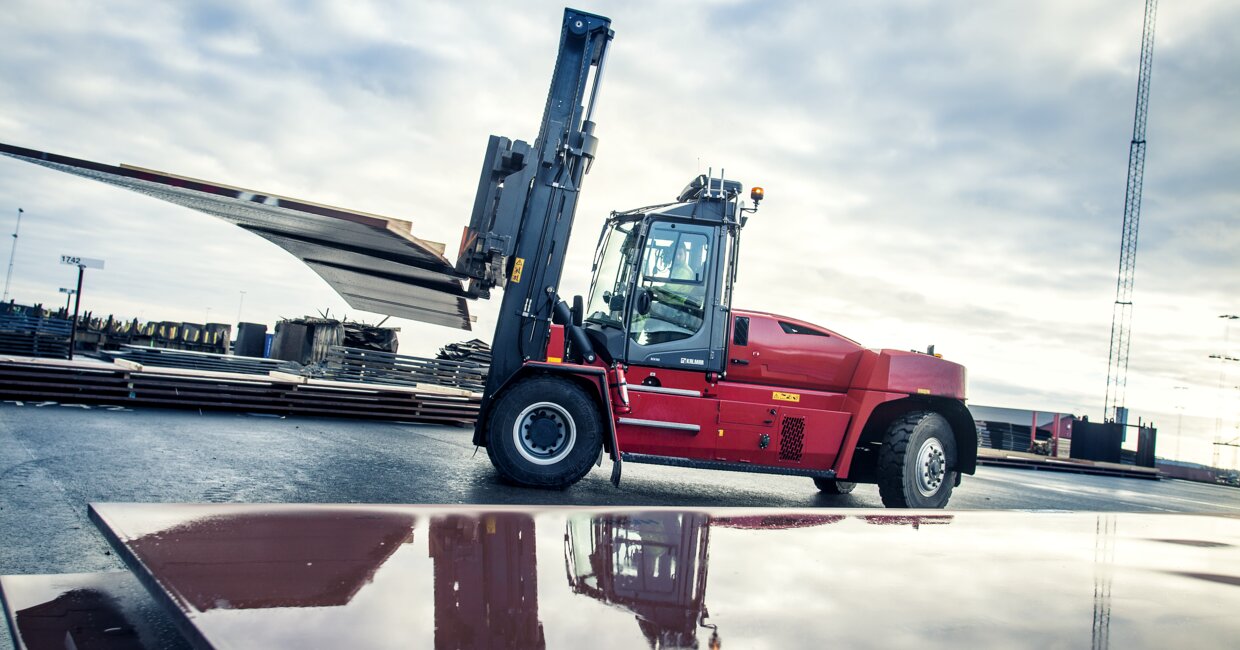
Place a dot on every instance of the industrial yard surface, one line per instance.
(54, 459)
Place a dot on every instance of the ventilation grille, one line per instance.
(740, 331)
(792, 439)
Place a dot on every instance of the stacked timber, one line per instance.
(350, 364)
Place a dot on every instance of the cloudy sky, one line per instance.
(936, 173)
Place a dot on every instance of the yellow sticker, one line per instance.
(785, 397)
(721, 433)
(517, 267)
(923, 391)
(490, 522)
(555, 359)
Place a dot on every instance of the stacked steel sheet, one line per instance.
(1002, 435)
(200, 360)
(87, 383)
(349, 364)
(34, 336)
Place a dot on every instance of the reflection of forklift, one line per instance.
(653, 564)
(650, 564)
(486, 582)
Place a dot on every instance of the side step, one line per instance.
(673, 461)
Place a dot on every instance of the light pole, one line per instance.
(81, 263)
(1222, 374)
(240, 302)
(12, 255)
(1179, 422)
(68, 297)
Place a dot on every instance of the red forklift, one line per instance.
(655, 365)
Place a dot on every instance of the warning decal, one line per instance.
(517, 267)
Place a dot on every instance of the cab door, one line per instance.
(676, 318)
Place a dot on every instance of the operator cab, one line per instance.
(663, 276)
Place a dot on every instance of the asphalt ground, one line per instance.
(54, 459)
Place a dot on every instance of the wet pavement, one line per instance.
(293, 576)
(55, 459)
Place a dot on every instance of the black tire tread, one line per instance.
(832, 486)
(892, 457)
(587, 429)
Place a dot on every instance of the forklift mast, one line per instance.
(527, 197)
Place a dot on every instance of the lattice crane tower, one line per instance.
(1121, 316)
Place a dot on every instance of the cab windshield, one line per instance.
(612, 272)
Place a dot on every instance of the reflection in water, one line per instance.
(486, 582)
(654, 565)
(81, 618)
(781, 522)
(916, 521)
(1104, 557)
(651, 564)
(273, 559)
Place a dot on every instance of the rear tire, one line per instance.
(834, 486)
(916, 463)
(544, 432)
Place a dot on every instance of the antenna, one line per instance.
(12, 255)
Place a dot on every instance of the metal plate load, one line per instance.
(375, 263)
(358, 576)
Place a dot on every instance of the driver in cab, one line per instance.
(687, 267)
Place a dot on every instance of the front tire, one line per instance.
(916, 463)
(834, 486)
(544, 432)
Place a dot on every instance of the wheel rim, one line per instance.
(931, 467)
(544, 433)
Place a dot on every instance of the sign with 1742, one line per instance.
(87, 262)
